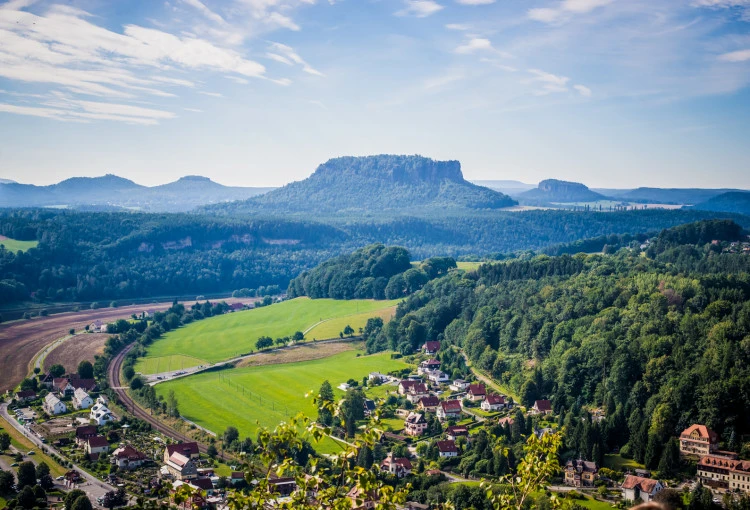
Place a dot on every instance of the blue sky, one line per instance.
(612, 93)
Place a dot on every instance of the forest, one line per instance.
(657, 339)
(86, 256)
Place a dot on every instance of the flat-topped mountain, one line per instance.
(374, 184)
(556, 191)
(110, 192)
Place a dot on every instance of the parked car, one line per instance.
(31, 452)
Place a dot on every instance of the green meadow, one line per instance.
(234, 334)
(332, 328)
(14, 246)
(269, 394)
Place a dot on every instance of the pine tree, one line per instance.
(669, 464)
(365, 458)
(653, 452)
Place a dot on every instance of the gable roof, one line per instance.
(429, 401)
(237, 475)
(402, 462)
(646, 485)
(431, 361)
(477, 389)
(86, 384)
(457, 430)
(495, 399)
(447, 446)
(85, 431)
(418, 388)
(60, 382)
(80, 394)
(51, 399)
(432, 346)
(451, 406)
(97, 441)
(186, 449)
(415, 418)
(717, 461)
(543, 405)
(26, 393)
(703, 432)
(506, 419)
(178, 459)
(202, 483)
(128, 452)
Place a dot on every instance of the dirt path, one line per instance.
(21, 341)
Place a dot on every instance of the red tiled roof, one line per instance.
(431, 401)
(543, 405)
(451, 406)
(457, 430)
(431, 361)
(703, 431)
(646, 485)
(418, 388)
(477, 389)
(26, 394)
(495, 399)
(202, 483)
(507, 419)
(97, 441)
(432, 346)
(186, 449)
(715, 461)
(447, 446)
(128, 452)
(85, 431)
(237, 475)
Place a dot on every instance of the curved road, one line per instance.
(113, 375)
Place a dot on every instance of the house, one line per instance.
(24, 396)
(428, 366)
(195, 500)
(181, 467)
(739, 479)
(95, 445)
(493, 402)
(458, 385)
(698, 440)
(377, 377)
(237, 478)
(284, 487)
(369, 406)
(53, 405)
(449, 410)
(636, 488)
(416, 392)
(127, 457)
(456, 431)
(62, 386)
(85, 432)
(715, 471)
(189, 450)
(428, 403)
(415, 424)
(506, 420)
(477, 392)
(46, 380)
(447, 448)
(400, 467)
(237, 307)
(405, 385)
(541, 407)
(580, 473)
(87, 384)
(431, 348)
(81, 399)
(101, 414)
(438, 377)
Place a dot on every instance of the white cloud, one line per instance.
(208, 13)
(458, 26)
(583, 90)
(442, 80)
(419, 8)
(211, 94)
(475, 2)
(565, 10)
(736, 56)
(194, 110)
(287, 55)
(548, 82)
(474, 45)
(63, 108)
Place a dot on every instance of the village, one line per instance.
(440, 417)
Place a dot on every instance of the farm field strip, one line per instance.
(14, 245)
(265, 395)
(232, 335)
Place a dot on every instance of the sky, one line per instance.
(611, 93)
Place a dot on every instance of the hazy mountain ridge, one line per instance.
(373, 184)
(112, 192)
(686, 196)
(730, 202)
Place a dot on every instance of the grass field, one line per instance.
(167, 363)
(268, 394)
(619, 463)
(234, 334)
(332, 328)
(14, 246)
(24, 445)
(468, 266)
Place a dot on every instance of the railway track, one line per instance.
(113, 375)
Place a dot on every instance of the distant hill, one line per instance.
(110, 192)
(6, 181)
(508, 187)
(687, 196)
(731, 202)
(376, 183)
(555, 191)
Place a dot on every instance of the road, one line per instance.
(92, 486)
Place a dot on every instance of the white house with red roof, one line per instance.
(541, 407)
(636, 487)
(447, 448)
(698, 440)
(127, 457)
(493, 402)
(400, 466)
(431, 348)
(415, 424)
(449, 410)
(477, 392)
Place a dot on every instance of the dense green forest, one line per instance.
(658, 339)
(105, 256)
(373, 272)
